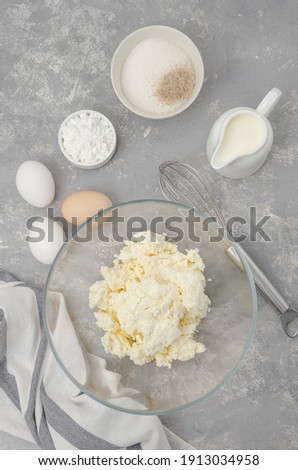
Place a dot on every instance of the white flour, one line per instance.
(87, 138)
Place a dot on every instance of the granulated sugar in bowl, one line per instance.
(158, 76)
(157, 72)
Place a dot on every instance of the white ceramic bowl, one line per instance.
(163, 32)
(87, 166)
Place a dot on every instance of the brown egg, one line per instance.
(81, 205)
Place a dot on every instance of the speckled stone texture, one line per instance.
(55, 59)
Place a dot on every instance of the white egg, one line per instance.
(35, 183)
(45, 239)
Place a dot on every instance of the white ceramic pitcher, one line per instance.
(246, 162)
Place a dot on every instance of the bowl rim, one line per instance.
(127, 103)
(87, 166)
(146, 411)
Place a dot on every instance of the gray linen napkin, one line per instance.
(40, 404)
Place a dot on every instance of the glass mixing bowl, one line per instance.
(226, 331)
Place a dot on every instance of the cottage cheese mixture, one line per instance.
(151, 302)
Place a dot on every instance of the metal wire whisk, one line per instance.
(182, 183)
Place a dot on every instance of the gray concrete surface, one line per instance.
(55, 59)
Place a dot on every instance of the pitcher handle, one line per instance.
(269, 101)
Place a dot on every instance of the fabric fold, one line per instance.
(50, 409)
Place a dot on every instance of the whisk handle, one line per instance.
(265, 286)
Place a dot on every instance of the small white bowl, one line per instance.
(171, 35)
(87, 166)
